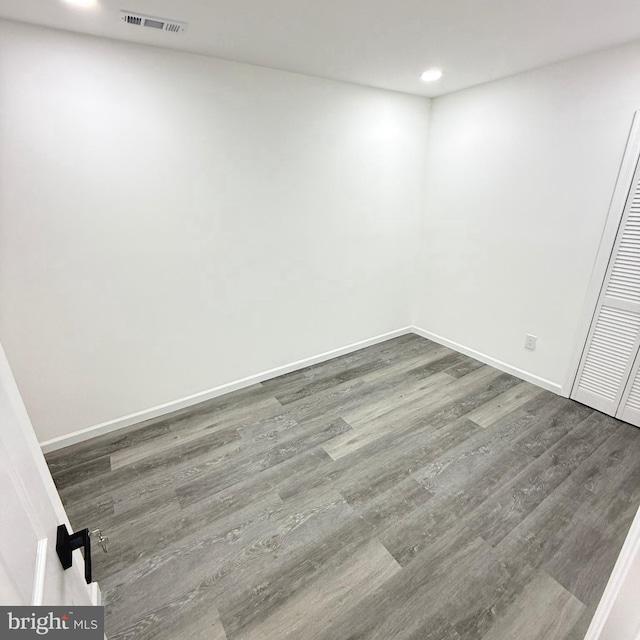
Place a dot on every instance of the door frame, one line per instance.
(617, 615)
(624, 182)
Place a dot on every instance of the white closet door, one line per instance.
(614, 338)
(629, 409)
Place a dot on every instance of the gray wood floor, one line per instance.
(404, 492)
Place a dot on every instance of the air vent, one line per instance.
(159, 24)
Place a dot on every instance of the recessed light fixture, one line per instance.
(83, 4)
(431, 75)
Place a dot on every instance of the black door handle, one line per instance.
(67, 543)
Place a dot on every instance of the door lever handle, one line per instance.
(68, 542)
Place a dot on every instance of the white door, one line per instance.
(608, 366)
(629, 409)
(30, 571)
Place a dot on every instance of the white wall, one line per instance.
(170, 223)
(520, 175)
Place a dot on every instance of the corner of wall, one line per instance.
(420, 234)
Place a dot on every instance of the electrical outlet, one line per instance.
(530, 342)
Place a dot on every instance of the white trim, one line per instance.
(616, 585)
(39, 573)
(549, 385)
(162, 409)
(96, 594)
(605, 248)
(168, 407)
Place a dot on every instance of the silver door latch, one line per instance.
(100, 539)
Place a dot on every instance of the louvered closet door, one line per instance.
(614, 338)
(629, 409)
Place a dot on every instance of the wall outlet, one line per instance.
(530, 342)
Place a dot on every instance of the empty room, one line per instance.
(320, 320)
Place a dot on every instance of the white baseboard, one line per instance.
(162, 409)
(175, 405)
(498, 364)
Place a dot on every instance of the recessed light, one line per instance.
(84, 4)
(431, 75)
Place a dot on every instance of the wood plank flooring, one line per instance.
(403, 491)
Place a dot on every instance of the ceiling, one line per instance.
(381, 43)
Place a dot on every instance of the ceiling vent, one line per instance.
(160, 24)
